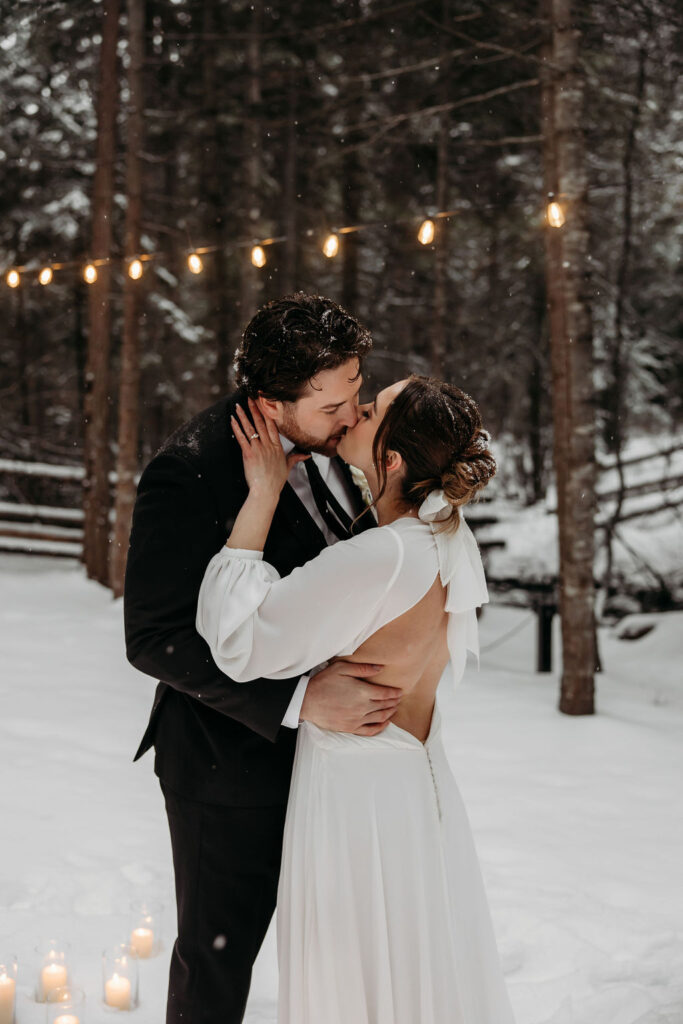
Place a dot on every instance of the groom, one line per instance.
(224, 750)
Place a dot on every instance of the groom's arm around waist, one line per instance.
(174, 535)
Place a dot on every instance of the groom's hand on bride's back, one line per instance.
(343, 698)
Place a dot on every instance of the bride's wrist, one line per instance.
(264, 495)
(253, 521)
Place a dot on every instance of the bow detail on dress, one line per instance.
(460, 565)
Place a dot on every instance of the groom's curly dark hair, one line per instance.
(292, 339)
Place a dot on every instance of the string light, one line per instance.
(331, 246)
(426, 232)
(258, 256)
(555, 215)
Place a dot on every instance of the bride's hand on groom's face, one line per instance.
(343, 699)
(266, 467)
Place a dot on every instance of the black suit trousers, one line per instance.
(227, 864)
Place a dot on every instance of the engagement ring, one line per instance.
(253, 436)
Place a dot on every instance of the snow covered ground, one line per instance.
(578, 822)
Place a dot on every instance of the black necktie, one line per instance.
(335, 517)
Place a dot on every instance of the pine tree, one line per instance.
(129, 390)
(96, 453)
(571, 344)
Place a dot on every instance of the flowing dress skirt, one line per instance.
(382, 914)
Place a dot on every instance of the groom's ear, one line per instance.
(270, 408)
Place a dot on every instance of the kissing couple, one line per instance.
(300, 635)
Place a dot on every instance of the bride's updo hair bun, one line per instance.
(437, 429)
(470, 470)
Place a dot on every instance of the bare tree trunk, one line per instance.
(571, 344)
(289, 193)
(79, 304)
(440, 325)
(536, 385)
(351, 192)
(251, 286)
(216, 272)
(26, 380)
(351, 185)
(615, 427)
(129, 391)
(535, 394)
(96, 400)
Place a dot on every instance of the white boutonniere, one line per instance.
(361, 483)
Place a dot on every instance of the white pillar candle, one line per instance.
(6, 999)
(142, 941)
(52, 976)
(117, 992)
(66, 1018)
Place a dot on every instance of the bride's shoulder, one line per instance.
(399, 556)
(400, 533)
(381, 538)
(402, 543)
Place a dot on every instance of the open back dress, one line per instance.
(382, 913)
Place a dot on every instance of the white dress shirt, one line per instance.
(298, 480)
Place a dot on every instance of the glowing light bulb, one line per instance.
(194, 263)
(258, 256)
(45, 276)
(555, 215)
(13, 278)
(135, 269)
(90, 273)
(331, 246)
(426, 232)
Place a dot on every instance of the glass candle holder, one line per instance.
(53, 971)
(66, 1006)
(145, 932)
(8, 989)
(120, 977)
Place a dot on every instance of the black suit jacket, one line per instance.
(216, 741)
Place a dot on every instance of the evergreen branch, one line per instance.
(441, 107)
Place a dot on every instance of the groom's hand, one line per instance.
(341, 699)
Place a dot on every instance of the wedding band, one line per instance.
(253, 436)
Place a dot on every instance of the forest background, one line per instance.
(288, 122)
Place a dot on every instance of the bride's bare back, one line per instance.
(413, 653)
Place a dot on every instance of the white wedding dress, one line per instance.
(382, 914)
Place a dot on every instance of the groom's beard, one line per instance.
(306, 442)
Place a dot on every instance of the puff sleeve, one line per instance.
(259, 625)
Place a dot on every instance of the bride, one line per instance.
(382, 914)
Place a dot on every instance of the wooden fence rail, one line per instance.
(42, 529)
